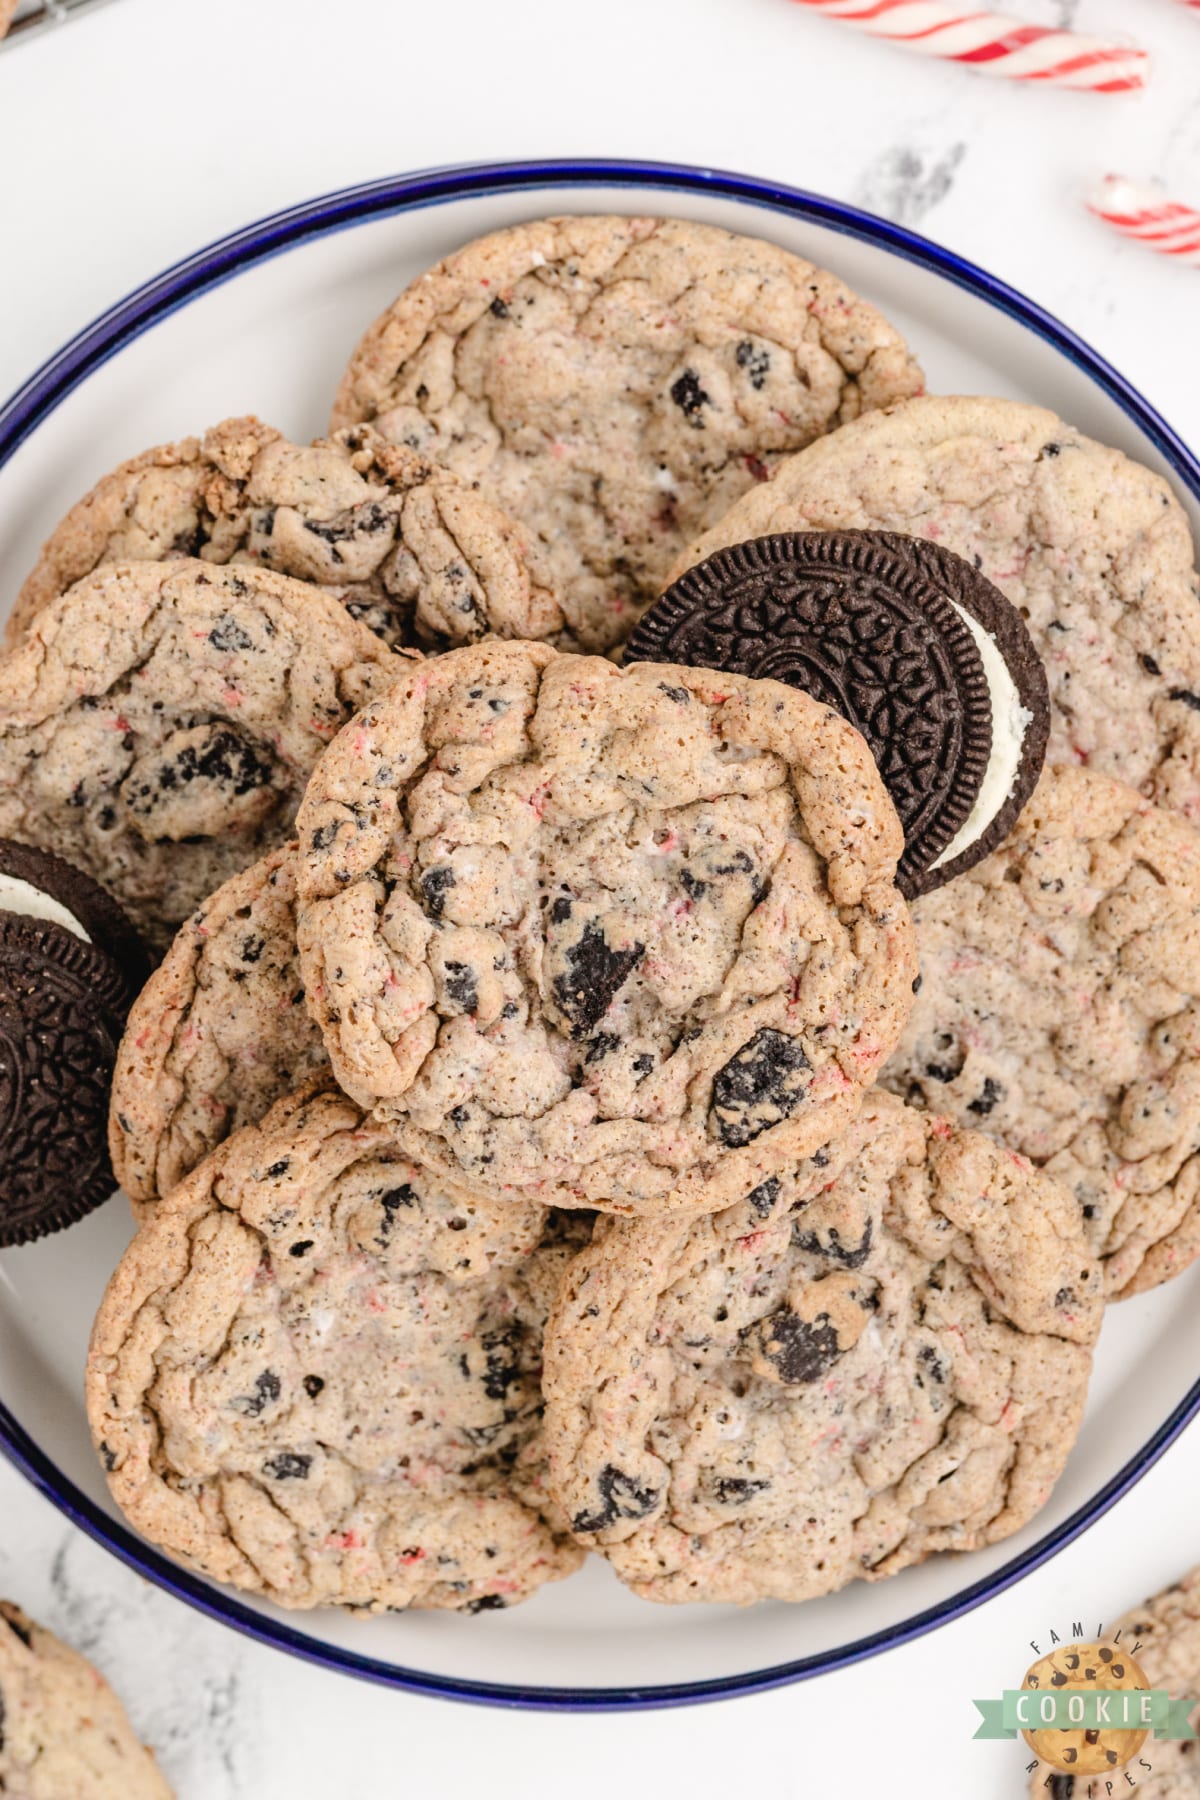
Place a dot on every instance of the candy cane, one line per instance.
(1148, 217)
(996, 45)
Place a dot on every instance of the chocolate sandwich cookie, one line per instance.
(906, 640)
(40, 885)
(63, 1002)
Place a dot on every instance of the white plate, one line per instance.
(263, 323)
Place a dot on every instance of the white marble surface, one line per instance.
(136, 133)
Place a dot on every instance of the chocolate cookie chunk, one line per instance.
(62, 1006)
(906, 640)
(403, 544)
(64, 1734)
(878, 1353)
(619, 938)
(159, 721)
(345, 1408)
(37, 884)
(615, 384)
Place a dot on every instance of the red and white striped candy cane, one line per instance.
(1148, 217)
(996, 45)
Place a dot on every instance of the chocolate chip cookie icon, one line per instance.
(1091, 1749)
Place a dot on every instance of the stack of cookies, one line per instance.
(549, 1123)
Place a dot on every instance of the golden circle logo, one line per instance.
(1087, 1710)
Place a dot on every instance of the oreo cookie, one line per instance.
(63, 1004)
(906, 640)
(36, 884)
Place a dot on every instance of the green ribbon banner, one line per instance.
(1085, 1709)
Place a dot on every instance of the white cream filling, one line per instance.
(22, 897)
(1010, 722)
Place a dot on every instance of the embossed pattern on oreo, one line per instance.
(853, 620)
(62, 1002)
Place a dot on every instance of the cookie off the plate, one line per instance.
(617, 938)
(64, 1734)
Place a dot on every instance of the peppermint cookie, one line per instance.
(218, 1034)
(63, 1732)
(879, 1353)
(315, 1373)
(615, 384)
(1059, 1010)
(1164, 1636)
(1093, 549)
(159, 722)
(406, 547)
(625, 939)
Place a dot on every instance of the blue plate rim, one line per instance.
(218, 262)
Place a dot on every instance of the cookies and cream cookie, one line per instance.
(626, 939)
(1092, 548)
(315, 1373)
(615, 384)
(1059, 1010)
(159, 721)
(217, 1035)
(64, 1735)
(403, 544)
(877, 1354)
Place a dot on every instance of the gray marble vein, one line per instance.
(906, 182)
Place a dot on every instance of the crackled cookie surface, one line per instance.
(158, 724)
(1059, 1010)
(217, 1035)
(616, 383)
(1164, 1635)
(875, 1355)
(315, 1373)
(620, 938)
(408, 548)
(1092, 548)
(63, 1732)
